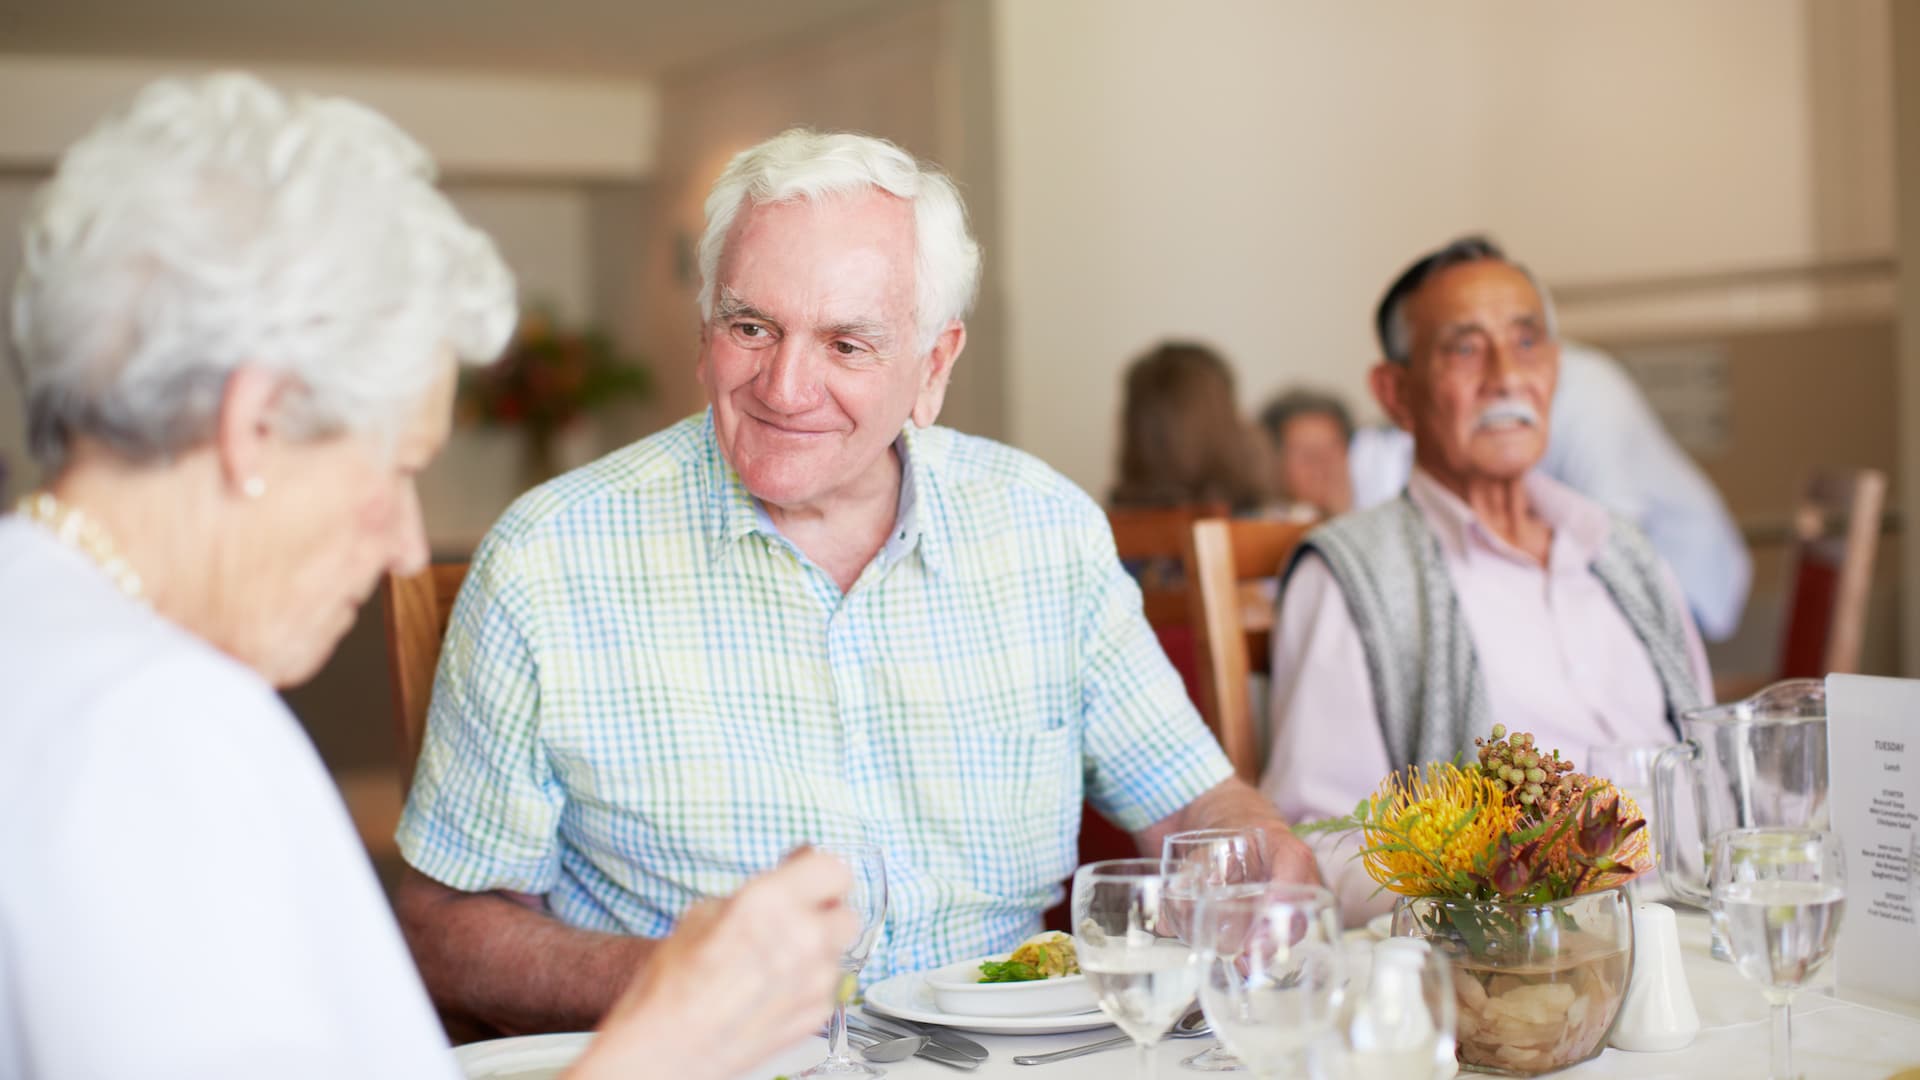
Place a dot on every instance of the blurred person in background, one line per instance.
(238, 322)
(1310, 432)
(1608, 444)
(1183, 439)
(1532, 606)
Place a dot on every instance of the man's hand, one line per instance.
(736, 981)
(1233, 803)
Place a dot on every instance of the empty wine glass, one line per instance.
(1778, 895)
(1195, 861)
(1630, 768)
(868, 900)
(1272, 972)
(1142, 972)
(1400, 1019)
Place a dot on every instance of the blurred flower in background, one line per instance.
(550, 378)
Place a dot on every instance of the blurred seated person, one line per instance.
(1183, 441)
(237, 322)
(1536, 608)
(1310, 432)
(1184, 444)
(809, 613)
(1609, 445)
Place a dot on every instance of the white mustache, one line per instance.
(1505, 410)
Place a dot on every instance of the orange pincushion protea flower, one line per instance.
(1631, 852)
(1426, 828)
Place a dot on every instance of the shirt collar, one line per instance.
(738, 514)
(1579, 526)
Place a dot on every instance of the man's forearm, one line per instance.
(1233, 803)
(487, 957)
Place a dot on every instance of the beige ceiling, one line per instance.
(646, 38)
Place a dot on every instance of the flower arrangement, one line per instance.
(1518, 824)
(547, 379)
(1510, 866)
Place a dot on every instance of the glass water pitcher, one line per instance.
(1758, 762)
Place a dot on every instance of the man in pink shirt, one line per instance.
(1487, 593)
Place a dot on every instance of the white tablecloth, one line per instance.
(1832, 1039)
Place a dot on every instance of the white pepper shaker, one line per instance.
(1658, 1013)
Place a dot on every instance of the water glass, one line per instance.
(868, 900)
(1778, 895)
(1202, 859)
(1272, 974)
(1124, 933)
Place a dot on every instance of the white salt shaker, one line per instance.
(1658, 1013)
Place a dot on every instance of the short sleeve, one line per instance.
(484, 810)
(1148, 753)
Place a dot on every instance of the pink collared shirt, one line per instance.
(1557, 657)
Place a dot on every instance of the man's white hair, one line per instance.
(803, 164)
(217, 223)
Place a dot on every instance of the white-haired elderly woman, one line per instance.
(237, 322)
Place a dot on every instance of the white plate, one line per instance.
(957, 988)
(539, 1057)
(1381, 926)
(908, 997)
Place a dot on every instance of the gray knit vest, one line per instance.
(1428, 690)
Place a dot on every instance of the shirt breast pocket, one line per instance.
(1025, 790)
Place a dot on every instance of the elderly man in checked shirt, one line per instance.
(808, 615)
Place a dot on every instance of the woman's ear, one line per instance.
(243, 432)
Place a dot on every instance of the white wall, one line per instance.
(1253, 174)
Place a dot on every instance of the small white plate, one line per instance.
(541, 1057)
(908, 997)
(1381, 926)
(957, 989)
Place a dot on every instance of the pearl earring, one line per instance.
(253, 487)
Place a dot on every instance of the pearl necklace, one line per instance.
(84, 535)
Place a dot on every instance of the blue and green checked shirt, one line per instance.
(647, 694)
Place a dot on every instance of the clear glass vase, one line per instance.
(1538, 985)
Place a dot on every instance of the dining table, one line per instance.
(1833, 1039)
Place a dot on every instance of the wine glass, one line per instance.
(868, 900)
(1630, 768)
(1272, 972)
(1124, 935)
(1195, 861)
(1400, 1020)
(1778, 895)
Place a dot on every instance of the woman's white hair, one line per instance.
(803, 164)
(217, 223)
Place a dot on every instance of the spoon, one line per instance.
(1191, 1026)
(885, 1050)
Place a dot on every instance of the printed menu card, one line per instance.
(1873, 795)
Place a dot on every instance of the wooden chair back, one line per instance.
(416, 609)
(1230, 564)
(1836, 538)
(1159, 536)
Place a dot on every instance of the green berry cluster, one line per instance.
(1540, 783)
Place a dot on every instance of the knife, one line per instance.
(942, 1045)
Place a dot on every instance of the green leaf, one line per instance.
(1009, 971)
